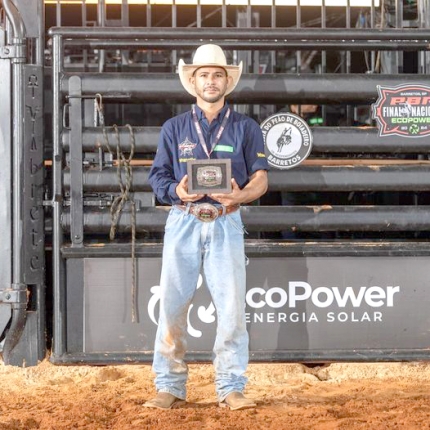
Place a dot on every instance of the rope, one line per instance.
(123, 168)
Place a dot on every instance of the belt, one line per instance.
(206, 212)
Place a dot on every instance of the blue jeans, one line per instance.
(218, 248)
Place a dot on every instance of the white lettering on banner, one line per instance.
(305, 317)
(353, 317)
(268, 295)
(321, 297)
(281, 317)
(295, 295)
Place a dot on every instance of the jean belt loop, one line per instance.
(188, 207)
(223, 210)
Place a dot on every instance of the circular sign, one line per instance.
(288, 140)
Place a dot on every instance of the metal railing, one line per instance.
(333, 166)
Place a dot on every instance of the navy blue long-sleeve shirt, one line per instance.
(241, 141)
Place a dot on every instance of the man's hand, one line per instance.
(255, 188)
(229, 199)
(182, 191)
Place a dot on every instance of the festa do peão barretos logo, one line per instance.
(403, 110)
(288, 140)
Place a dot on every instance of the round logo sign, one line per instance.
(288, 140)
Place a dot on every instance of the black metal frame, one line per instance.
(75, 219)
(23, 284)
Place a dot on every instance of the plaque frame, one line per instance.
(221, 166)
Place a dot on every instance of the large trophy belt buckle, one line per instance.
(205, 212)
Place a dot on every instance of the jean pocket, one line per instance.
(236, 221)
(174, 216)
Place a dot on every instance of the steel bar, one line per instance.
(275, 45)
(15, 19)
(351, 178)
(6, 174)
(19, 308)
(347, 140)
(146, 138)
(76, 162)
(344, 140)
(278, 218)
(337, 218)
(265, 88)
(301, 178)
(307, 356)
(58, 264)
(248, 34)
(262, 247)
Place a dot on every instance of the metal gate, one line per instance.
(338, 247)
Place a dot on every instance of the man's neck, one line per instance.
(211, 110)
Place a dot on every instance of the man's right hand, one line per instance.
(182, 191)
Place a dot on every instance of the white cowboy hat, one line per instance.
(208, 56)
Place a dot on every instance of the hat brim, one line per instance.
(186, 72)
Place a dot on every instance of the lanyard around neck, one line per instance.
(218, 135)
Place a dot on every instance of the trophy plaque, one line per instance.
(209, 176)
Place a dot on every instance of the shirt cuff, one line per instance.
(260, 164)
(172, 193)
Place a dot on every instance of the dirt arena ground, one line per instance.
(290, 396)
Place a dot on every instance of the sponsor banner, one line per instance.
(403, 110)
(288, 140)
(314, 304)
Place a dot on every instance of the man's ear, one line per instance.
(229, 79)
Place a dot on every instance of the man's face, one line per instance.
(210, 83)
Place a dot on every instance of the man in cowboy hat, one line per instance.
(204, 230)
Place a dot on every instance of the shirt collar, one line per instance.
(201, 116)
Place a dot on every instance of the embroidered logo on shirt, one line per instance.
(186, 148)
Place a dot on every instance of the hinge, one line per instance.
(12, 51)
(14, 295)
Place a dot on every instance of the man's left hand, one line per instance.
(254, 189)
(229, 199)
